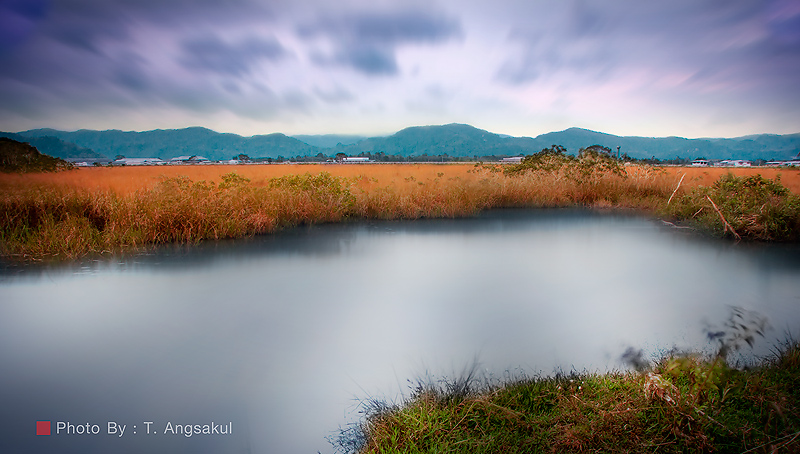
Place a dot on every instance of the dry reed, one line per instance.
(70, 214)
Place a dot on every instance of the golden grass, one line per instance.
(91, 210)
(126, 180)
(705, 176)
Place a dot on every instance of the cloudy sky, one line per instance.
(692, 68)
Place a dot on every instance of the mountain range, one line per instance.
(454, 140)
(54, 146)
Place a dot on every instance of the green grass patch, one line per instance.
(684, 403)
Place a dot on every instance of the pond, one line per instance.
(269, 343)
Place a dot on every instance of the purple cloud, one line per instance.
(18, 19)
(368, 41)
(210, 53)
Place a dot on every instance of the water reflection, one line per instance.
(280, 334)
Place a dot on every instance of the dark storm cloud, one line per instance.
(372, 60)
(368, 41)
(91, 25)
(84, 54)
(18, 19)
(369, 59)
(385, 28)
(216, 55)
(87, 24)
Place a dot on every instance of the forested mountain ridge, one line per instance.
(454, 140)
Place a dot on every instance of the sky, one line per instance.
(689, 68)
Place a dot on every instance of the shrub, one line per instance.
(753, 206)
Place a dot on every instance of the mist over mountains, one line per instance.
(454, 140)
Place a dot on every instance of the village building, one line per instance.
(189, 160)
(138, 162)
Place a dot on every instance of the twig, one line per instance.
(714, 421)
(773, 441)
(676, 189)
(726, 226)
(790, 441)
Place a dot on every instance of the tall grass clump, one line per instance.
(593, 178)
(311, 198)
(751, 207)
(583, 179)
(414, 199)
(47, 223)
(180, 210)
(62, 223)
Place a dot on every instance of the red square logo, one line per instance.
(42, 427)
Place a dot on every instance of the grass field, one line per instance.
(126, 180)
(67, 214)
(705, 176)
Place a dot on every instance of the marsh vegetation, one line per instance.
(44, 220)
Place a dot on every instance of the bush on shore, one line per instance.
(751, 207)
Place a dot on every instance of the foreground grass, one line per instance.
(40, 221)
(685, 403)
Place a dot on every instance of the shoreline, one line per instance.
(72, 214)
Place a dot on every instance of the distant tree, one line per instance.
(242, 157)
(554, 150)
(597, 149)
(340, 156)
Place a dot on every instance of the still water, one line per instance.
(275, 339)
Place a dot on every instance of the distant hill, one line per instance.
(170, 143)
(764, 146)
(328, 140)
(464, 140)
(55, 147)
(18, 156)
(455, 140)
